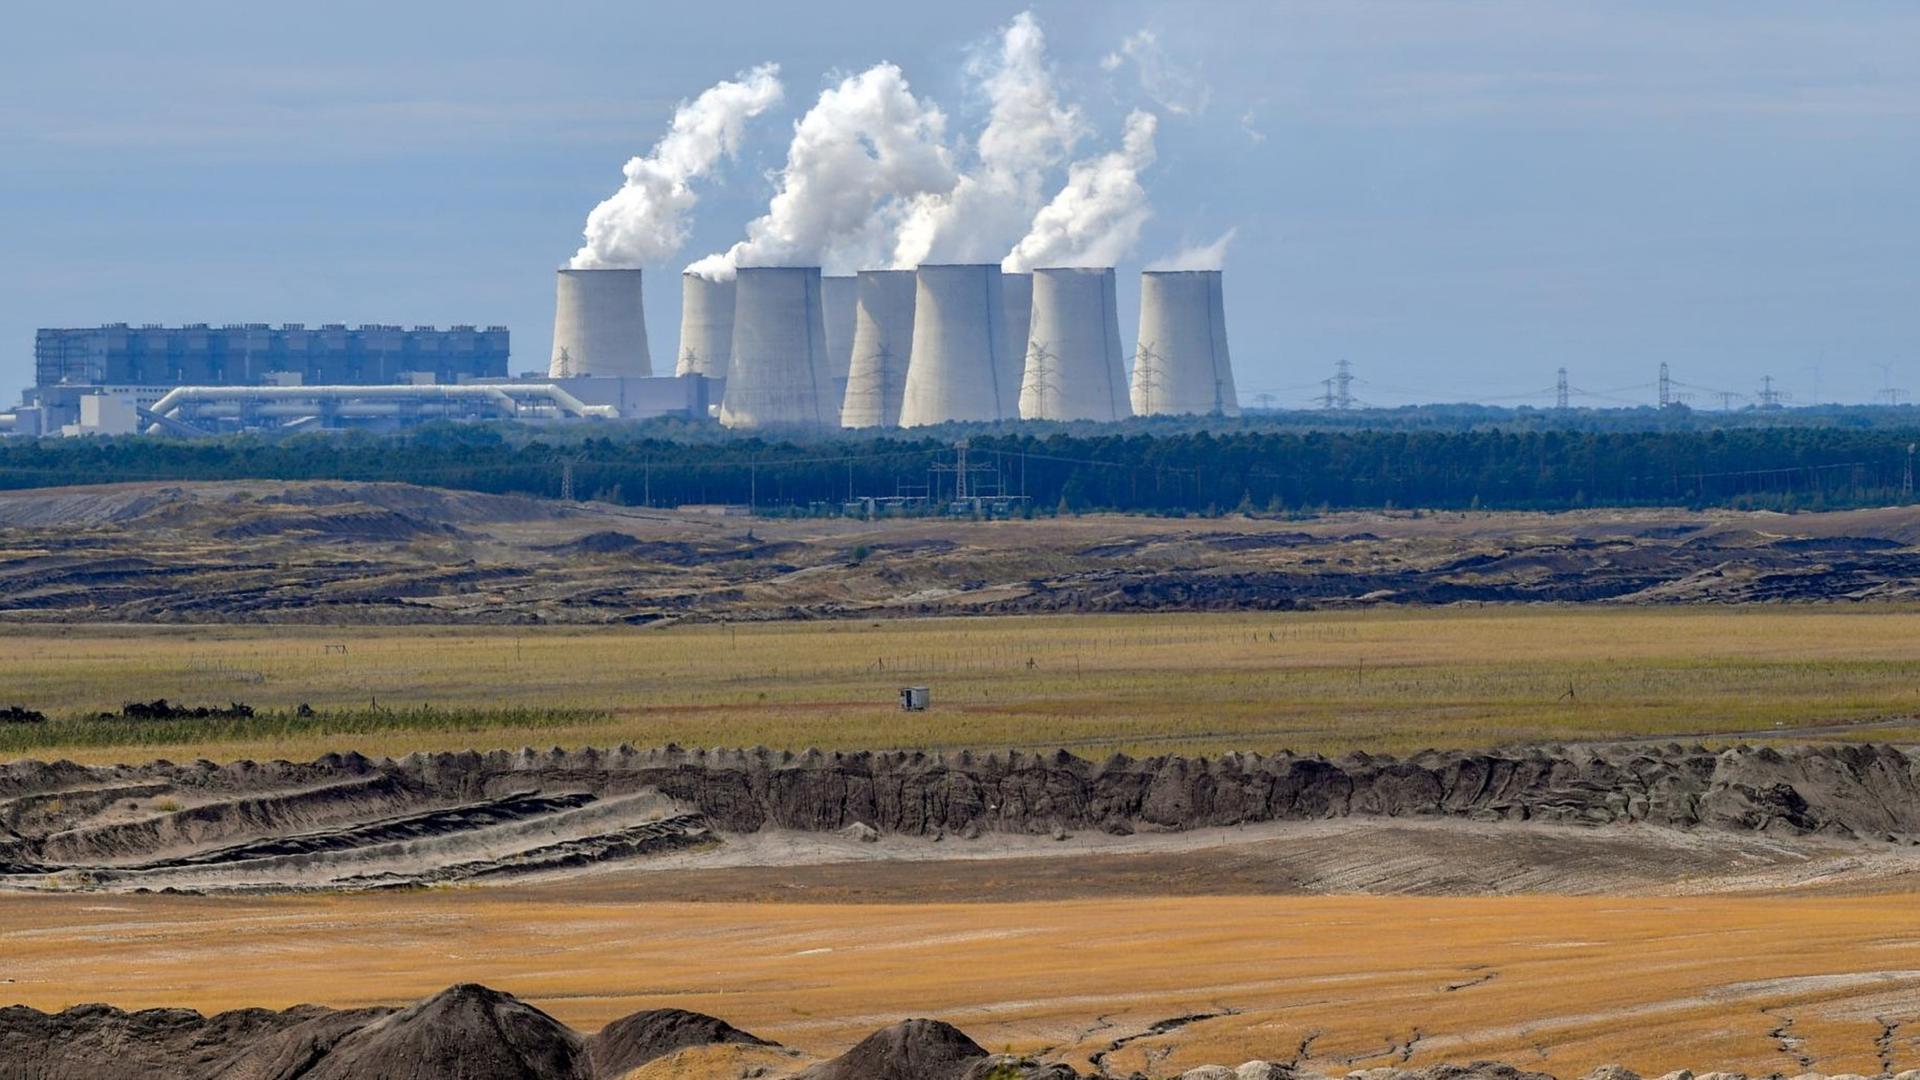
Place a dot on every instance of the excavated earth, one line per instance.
(470, 1032)
(336, 552)
(350, 822)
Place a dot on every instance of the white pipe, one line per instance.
(300, 400)
(502, 396)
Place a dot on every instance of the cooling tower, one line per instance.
(839, 296)
(1018, 290)
(961, 367)
(779, 375)
(1073, 369)
(1181, 363)
(598, 325)
(706, 326)
(882, 340)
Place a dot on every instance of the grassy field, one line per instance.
(1381, 680)
(1553, 983)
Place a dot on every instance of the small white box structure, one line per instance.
(915, 698)
(106, 414)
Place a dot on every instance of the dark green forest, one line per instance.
(1269, 465)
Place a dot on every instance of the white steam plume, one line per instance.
(865, 149)
(1029, 132)
(1199, 257)
(645, 221)
(1175, 88)
(1096, 218)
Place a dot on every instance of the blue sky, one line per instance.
(1457, 197)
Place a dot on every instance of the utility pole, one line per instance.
(1906, 480)
(1146, 363)
(964, 488)
(1666, 386)
(1326, 398)
(1265, 399)
(1887, 392)
(566, 480)
(1560, 392)
(1040, 367)
(1769, 397)
(1343, 384)
(1726, 400)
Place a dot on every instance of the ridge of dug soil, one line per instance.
(472, 1032)
(355, 822)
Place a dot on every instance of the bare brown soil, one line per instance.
(389, 553)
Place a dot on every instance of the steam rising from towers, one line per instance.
(1096, 218)
(865, 147)
(1029, 133)
(645, 221)
(1000, 300)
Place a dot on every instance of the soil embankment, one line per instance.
(353, 822)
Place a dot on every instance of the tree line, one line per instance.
(1174, 472)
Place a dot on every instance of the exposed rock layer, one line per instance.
(346, 820)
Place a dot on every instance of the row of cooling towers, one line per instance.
(913, 347)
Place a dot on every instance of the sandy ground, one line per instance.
(1064, 947)
(1558, 983)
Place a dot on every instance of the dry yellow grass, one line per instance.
(1560, 984)
(1383, 680)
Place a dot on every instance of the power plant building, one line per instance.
(1073, 366)
(781, 376)
(706, 326)
(882, 342)
(599, 327)
(248, 353)
(1181, 364)
(962, 366)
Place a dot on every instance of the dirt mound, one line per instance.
(633, 1041)
(363, 524)
(466, 1031)
(908, 1050)
(470, 1032)
(289, 1053)
(162, 709)
(96, 1042)
(604, 542)
(724, 1062)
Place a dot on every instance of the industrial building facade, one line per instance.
(255, 353)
